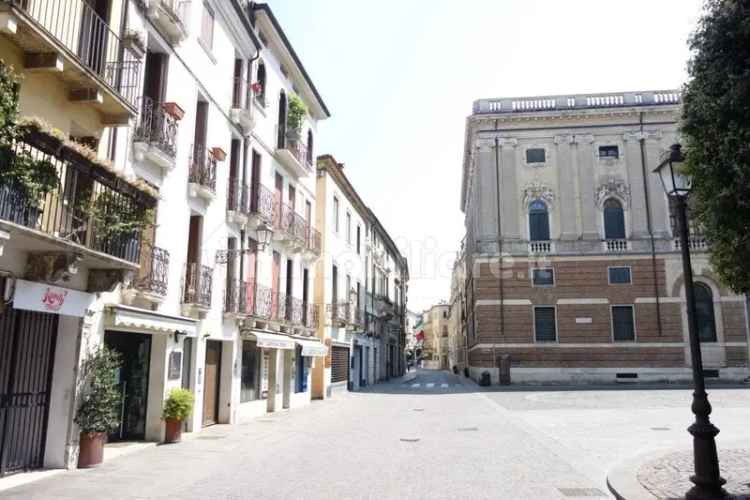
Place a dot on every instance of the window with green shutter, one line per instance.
(623, 324)
(545, 328)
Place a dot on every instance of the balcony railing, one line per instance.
(310, 315)
(250, 299)
(313, 241)
(198, 284)
(242, 94)
(237, 197)
(294, 310)
(87, 38)
(154, 274)
(540, 247)
(203, 168)
(262, 202)
(156, 127)
(616, 245)
(695, 242)
(299, 151)
(283, 220)
(65, 212)
(337, 313)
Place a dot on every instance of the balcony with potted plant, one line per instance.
(155, 134)
(290, 150)
(69, 39)
(241, 112)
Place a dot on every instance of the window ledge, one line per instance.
(204, 45)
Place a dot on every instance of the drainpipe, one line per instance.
(642, 143)
(500, 250)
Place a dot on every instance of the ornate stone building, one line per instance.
(572, 266)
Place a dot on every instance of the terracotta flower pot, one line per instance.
(173, 431)
(219, 153)
(174, 110)
(91, 449)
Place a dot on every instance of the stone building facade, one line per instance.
(572, 263)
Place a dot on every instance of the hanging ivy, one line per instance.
(29, 178)
(296, 114)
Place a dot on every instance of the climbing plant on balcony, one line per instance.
(297, 112)
(26, 177)
(114, 216)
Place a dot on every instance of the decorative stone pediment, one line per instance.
(613, 186)
(538, 191)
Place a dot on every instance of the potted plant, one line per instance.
(295, 115)
(99, 410)
(177, 408)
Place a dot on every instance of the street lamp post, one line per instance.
(707, 479)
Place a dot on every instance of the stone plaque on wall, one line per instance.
(175, 365)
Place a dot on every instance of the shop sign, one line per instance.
(45, 298)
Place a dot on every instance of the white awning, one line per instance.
(268, 340)
(312, 347)
(134, 319)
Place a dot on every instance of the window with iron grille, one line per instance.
(619, 275)
(623, 323)
(535, 155)
(545, 327)
(207, 26)
(609, 152)
(543, 277)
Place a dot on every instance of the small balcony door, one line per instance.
(275, 277)
(281, 135)
(289, 287)
(278, 194)
(254, 181)
(305, 296)
(251, 272)
(201, 130)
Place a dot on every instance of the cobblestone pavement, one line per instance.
(668, 477)
(442, 439)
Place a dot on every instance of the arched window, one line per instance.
(309, 147)
(261, 80)
(281, 135)
(704, 313)
(614, 220)
(538, 221)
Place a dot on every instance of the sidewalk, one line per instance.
(666, 474)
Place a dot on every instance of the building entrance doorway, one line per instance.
(212, 378)
(132, 379)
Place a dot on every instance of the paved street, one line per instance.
(430, 436)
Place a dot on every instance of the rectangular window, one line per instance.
(623, 323)
(545, 328)
(336, 215)
(249, 390)
(619, 275)
(609, 152)
(543, 277)
(207, 27)
(359, 238)
(535, 155)
(349, 228)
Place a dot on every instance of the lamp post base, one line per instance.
(707, 478)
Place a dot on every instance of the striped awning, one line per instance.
(312, 347)
(137, 320)
(270, 340)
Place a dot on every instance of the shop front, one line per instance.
(37, 331)
(155, 350)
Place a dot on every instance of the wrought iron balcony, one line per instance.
(294, 155)
(242, 112)
(311, 314)
(262, 204)
(198, 285)
(155, 135)
(202, 174)
(238, 206)
(65, 214)
(294, 311)
(313, 242)
(69, 38)
(337, 314)
(153, 278)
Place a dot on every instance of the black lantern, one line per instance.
(671, 170)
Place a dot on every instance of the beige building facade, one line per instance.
(572, 264)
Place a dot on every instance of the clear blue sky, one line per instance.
(399, 77)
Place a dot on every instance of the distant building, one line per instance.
(435, 327)
(572, 263)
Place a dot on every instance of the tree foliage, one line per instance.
(716, 127)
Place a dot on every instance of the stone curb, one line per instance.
(622, 479)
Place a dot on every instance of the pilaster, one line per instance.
(585, 160)
(638, 213)
(566, 187)
(509, 188)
